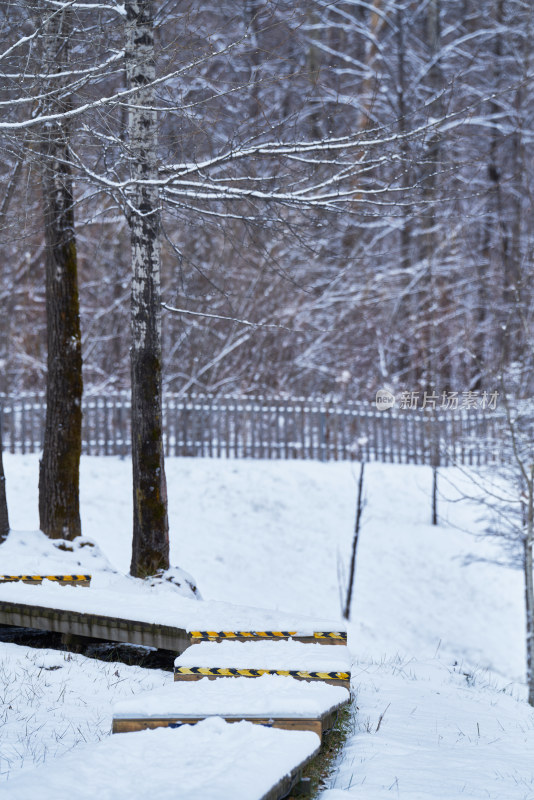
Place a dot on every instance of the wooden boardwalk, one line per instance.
(94, 626)
(300, 682)
(274, 697)
(132, 631)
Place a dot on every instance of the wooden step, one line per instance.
(272, 700)
(251, 659)
(197, 673)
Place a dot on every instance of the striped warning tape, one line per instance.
(40, 578)
(331, 635)
(216, 672)
(207, 635)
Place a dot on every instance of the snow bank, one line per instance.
(33, 553)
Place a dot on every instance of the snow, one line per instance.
(208, 761)
(266, 696)
(274, 535)
(446, 733)
(437, 631)
(284, 655)
(52, 702)
(127, 599)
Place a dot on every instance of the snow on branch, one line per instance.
(245, 322)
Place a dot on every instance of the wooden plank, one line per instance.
(318, 725)
(129, 725)
(94, 626)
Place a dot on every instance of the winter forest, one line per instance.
(352, 178)
(234, 229)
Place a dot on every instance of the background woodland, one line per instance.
(411, 269)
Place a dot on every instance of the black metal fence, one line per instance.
(258, 427)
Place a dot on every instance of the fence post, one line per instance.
(322, 434)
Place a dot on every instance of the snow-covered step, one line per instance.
(155, 617)
(209, 760)
(273, 700)
(309, 662)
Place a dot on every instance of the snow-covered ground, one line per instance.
(427, 730)
(431, 611)
(51, 702)
(278, 535)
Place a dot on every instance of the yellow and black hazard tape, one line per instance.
(341, 635)
(218, 672)
(210, 635)
(41, 578)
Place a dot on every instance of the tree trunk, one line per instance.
(59, 510)
(4, 518)
(529, 587)
(357, 525)
(407, 312)
(432, 364)
(150, 547)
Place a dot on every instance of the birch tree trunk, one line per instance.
(59, 510)
(150, 547)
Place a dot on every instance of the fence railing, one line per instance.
(234, 427)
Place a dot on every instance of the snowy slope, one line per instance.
(278, 535)
(274, 534)
(428, 731)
